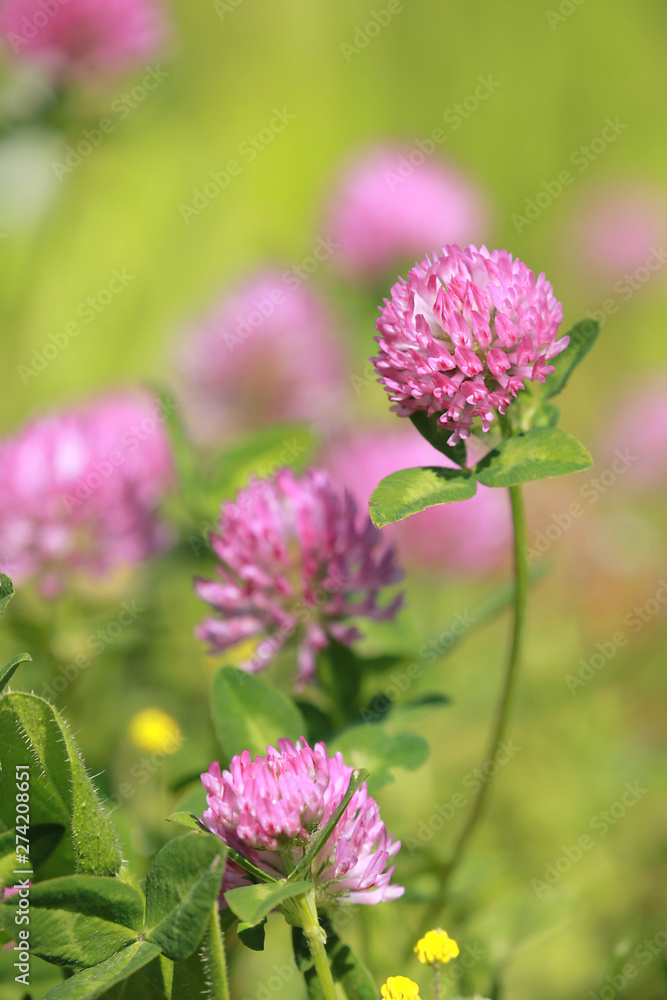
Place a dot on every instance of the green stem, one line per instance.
(521, 586)
(436, 982)
(217, 962)
(310, 924)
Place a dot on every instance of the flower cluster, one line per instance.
(386, 210)
(83, 38)
(269, 809)
(470, 537)
(459, 337)
(81, 489)
(400, 988)
(295, 559)
(267, 352)
(436, 948)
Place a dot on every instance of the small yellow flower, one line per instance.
(436, 947)
(400, 988)
(155, 731)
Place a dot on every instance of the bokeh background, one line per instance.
(559, 73)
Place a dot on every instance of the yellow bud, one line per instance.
(400, 988)
(155, 731)
(436, 947)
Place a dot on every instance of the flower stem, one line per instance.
(217, 962)
(310, 924)
(521, 585)
(436, 982)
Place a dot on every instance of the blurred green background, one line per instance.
(228, 70)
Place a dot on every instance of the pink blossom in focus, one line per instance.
(269, 809)
(637, 430)
(269, 351)
(459, 337)
(619, 230)
(84, 38)
(470, 537)
(386, 210)
(80, 490)
(296, 559)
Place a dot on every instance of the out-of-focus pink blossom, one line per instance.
(636, 435)
(269, 351)
(269, 809)
(392, 203)
(469, 537)
(80, 490)
(459, 337)
(618, 230)
(296, 560)
(83, 38)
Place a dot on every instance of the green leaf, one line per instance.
(80, 920)
(319, 839)
(33, 733)
(7, 671)
(181, 887)
(188, 820)
(249, 714)
(251, 903)
(6, 591)
(411, 490)
(96, 981)
(380, 752)
(437, 436)
(340, 672)
(252, 935)
(538, 454)
(582, 337)
(346, 968)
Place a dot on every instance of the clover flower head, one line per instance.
(295, 559)
(400, 988)
(391, 201)
(267, 351)
(83, 38)
(270, 808)
(461, 335)
(81, 491)
(436, 948)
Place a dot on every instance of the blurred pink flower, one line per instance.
(618, 229)
(459, 337)
(268, 351)
(270, 808)
(392, 202)
(469, 537)
(637, 429)
(295, 559)
(80, 490)
(83, 38)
